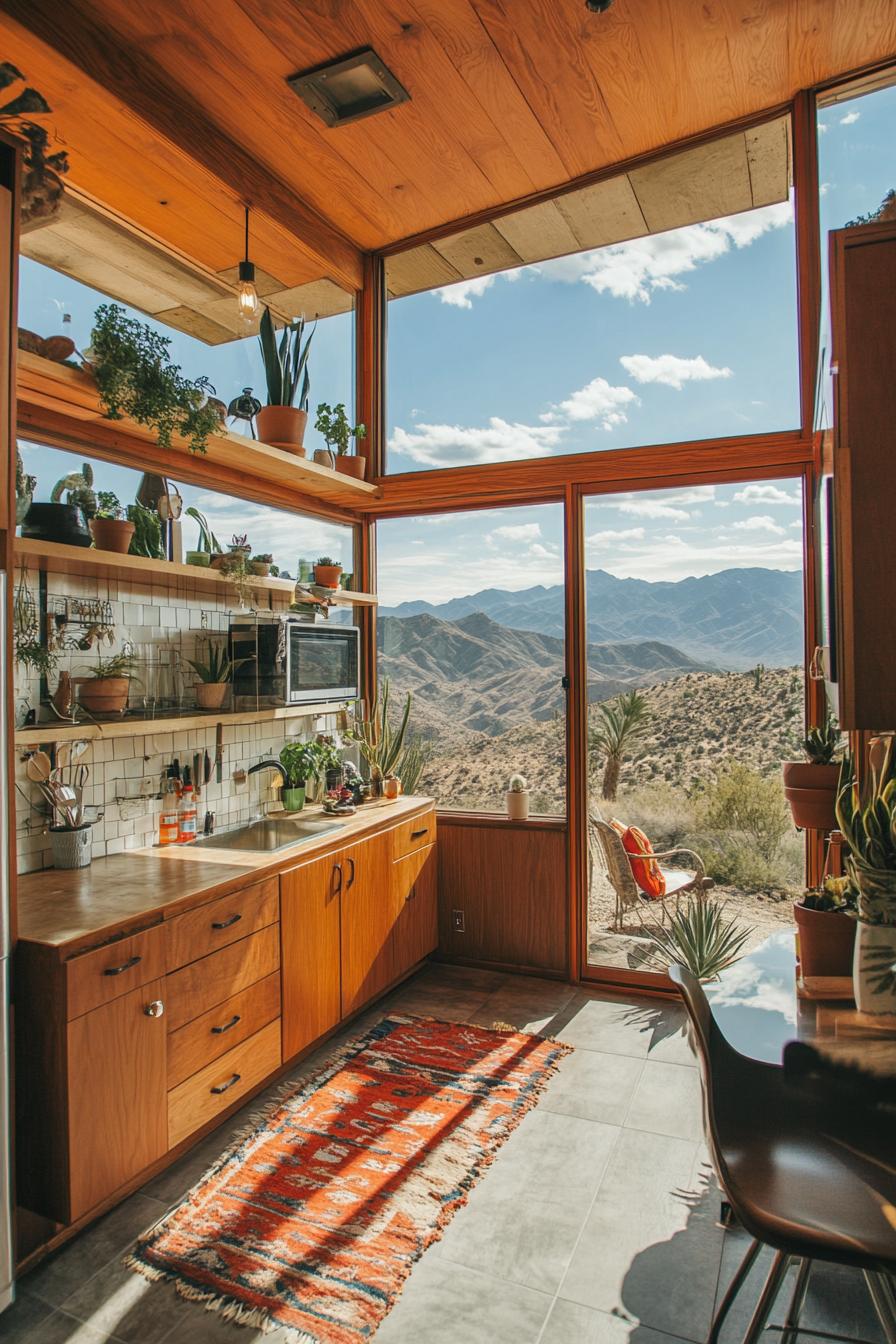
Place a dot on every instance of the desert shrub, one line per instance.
(663, 812)
(749, 804)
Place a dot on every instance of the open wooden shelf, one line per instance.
(55, 558)
(133, 727)
(62, 390)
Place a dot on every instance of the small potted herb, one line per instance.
(261, 564)
(282, 422)
(110, 530)
(333, 424)
(810, 786)
(104, 691)
(517, 798)
(327, 571)
(300, 764)
(826, 925)
(214, 676)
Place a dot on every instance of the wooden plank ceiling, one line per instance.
(174, 111)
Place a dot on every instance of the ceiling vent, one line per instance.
(353, 87)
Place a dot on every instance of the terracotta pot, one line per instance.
(282, 427)
(210, 694)
(826, 940)
(351, 466)
(104, 695)
(327, 576)
(261, 568)
(517, 805)
(811, 791)
(324, 458)
(111, 534)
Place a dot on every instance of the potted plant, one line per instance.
(810, 786)
(105, 689)
(867, 818)
(135, 378)
(209, 546)
(826, 925)
(282, 422)
(65, 522)
(42, 172)
(214, 676)
(517, 798)
(380, 744)
(333, 425)
(261, 564)
(110, 530)
(326, 572)
(300, 764)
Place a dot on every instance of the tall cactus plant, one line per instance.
(381, 744)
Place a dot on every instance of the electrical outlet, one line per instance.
(457, 921)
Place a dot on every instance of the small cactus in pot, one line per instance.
(517, 798)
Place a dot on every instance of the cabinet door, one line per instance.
(309, 933)
(118, 1119)
(416, 931)
(369, 912)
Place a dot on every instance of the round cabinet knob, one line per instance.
(154, 1009)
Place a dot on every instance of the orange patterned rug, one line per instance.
(313, 1219)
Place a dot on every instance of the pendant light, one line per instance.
(247, 294)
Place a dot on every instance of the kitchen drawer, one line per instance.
(208, 1037)
(208, 927)
(203, 984)
(216, 1087)
(98, 977)
(414, 834)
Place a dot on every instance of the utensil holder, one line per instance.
(72, 849)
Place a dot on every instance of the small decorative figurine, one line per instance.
(245, 407)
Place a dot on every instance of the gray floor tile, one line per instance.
(594, 1085)
(650, 1248)
(590, 1023)
(442, 974)
(523, 1219)
(667, 1100)
(57, 1278)
(59, 1328)
(21, 1321)
(126, 1306)
(571, 1323)
(449, 1004)
(445, 1303)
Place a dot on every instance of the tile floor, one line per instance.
(597, 1223)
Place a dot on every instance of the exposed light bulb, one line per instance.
(247, 294)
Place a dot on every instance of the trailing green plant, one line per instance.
(822, 744)
(217, 667)
(109, 506)
(208, 542)
(136, 378)
(699, 937)
(78, 490)
(412, 762)
(867, 817)
(286, 362)
(42, 172)
(147, 538)
(118, 665)
(333, 424)
(380, 744)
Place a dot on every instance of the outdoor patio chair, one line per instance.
(604, 839)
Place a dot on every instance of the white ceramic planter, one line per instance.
(517, 805)
(874, 968)
(72, 849)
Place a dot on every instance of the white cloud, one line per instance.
(498, 441)
(613, 537)
(634, 270)
(652, 508)
(543, 552)
(673, 370)
(766, 494)
(516, 532)
(850, 119)
(597, 400)
(461, 295)
(797, 526)
(759, 523)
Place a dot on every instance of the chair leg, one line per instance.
(734, 1288)
(797, 1302)
(884, 1298)
(767, 1297)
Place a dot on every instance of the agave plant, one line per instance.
(217, 666)
(701, 938)
(381, 744)
(822, 744)
(867, 817)
(286, 363)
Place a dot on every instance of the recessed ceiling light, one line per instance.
(345, 90)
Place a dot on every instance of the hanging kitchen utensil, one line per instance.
(39, 767)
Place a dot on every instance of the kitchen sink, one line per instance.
(270, 834)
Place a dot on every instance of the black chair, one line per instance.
(812, 1182)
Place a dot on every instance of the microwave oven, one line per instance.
(289, 661)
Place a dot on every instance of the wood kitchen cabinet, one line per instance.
(416, 930)
(309, 932)
(369, 911)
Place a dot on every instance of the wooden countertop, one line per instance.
(72, 910)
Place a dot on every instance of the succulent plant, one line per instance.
(78, 490)
(822, 744)
(286, 363)
(867, 817)
(517, 784)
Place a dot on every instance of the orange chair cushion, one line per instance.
(645, 870)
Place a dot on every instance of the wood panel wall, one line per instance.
(509, 880)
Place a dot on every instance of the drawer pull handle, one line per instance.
(219, 1031)
(222, 1087)
(415, 835)
(351, 880)
(125, 966)
(154, 1009)
(226, 923)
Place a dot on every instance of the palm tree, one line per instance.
(620, 723)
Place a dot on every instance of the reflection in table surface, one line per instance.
(756, 1006)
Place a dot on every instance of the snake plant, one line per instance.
(381, 744)
(867, 817)
(286, 363)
